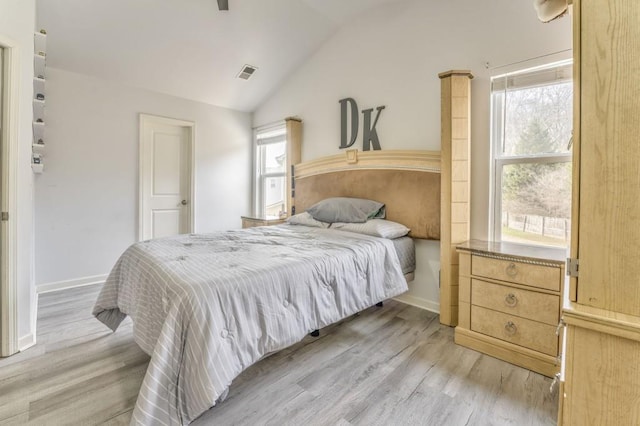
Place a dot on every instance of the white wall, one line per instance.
(17, 22)
(87, 198)
(392, 56)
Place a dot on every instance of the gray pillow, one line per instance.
(349, 210)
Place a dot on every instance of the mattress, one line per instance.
(207, 306)
(406, 251)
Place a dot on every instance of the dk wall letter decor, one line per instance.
(370, 135)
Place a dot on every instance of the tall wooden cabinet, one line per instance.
(602, 358)
(294, 156)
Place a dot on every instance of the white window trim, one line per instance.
(258, 178)
(498, 162)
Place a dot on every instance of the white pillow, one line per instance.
(376, 227)
(307, 220)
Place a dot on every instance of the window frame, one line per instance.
(499, 160)
(259, 176)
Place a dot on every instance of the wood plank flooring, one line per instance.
(394, 365)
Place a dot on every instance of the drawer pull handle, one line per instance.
(511, 300)
(511, 270)
(510, 328)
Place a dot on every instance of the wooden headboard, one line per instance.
(407, 182)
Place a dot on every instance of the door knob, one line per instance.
(183, 202)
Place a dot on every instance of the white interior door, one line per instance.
(166, 164)
(9, 144)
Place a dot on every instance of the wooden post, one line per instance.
(454, 178)
(294, 154)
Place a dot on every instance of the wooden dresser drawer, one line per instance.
(547, 277)
(536, 306)
(531, 334)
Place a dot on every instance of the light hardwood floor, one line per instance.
(394, 365)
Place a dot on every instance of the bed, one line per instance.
(207, 306)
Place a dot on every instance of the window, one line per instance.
(532, 116)
(270, 198)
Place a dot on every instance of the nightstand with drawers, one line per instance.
(509, 302)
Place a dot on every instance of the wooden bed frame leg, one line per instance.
(315, 333)
(379, 304)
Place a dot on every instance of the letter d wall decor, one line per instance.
(370, 135)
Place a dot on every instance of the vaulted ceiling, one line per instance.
(188, 48)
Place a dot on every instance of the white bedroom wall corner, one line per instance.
(94, 233)
(26, 341)
(423, 290)
(27, 307)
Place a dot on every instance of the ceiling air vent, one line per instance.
(246, 72)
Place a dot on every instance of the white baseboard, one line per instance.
(77, 282)
(25, 342)
(419, 302)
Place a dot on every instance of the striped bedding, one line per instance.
(406, 251)
(207, 306)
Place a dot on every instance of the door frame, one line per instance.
(146, 120)
(8, 200)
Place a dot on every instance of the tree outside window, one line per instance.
(531, 130)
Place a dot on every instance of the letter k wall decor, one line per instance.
(369, 133)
